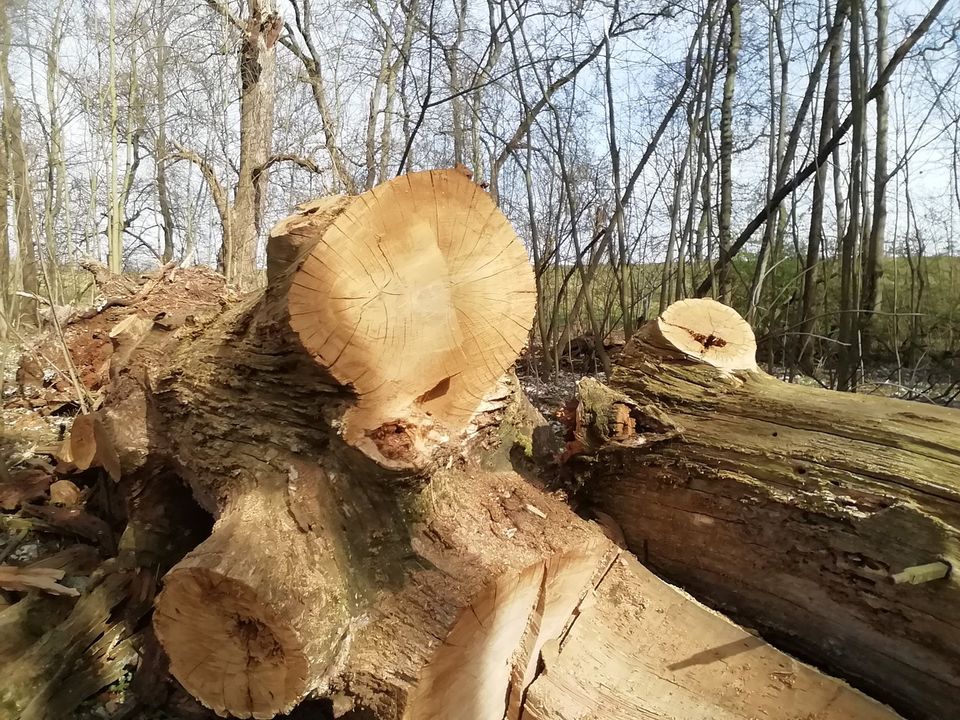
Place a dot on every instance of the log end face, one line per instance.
(297, 233)
(709, 332)
(418, 296)
(226, 648)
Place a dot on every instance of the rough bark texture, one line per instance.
(793, 508)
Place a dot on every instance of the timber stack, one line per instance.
(353, 429)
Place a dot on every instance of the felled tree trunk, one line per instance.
(830, 521)
(350, 430)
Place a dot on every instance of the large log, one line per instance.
(350, 429)
(388, 317)
(829, 521)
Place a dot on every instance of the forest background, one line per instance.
(797, 159)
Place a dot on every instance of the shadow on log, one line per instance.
(830, 521)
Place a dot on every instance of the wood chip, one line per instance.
(24, 579)
(535, 510)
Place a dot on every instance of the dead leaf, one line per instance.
(64, 492)
(83, 442)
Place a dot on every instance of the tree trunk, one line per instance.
(353, 432)
(726, 147)
(848, 362)
(258, 62)
(161, 54)
(114, 220)
(815, 239)
(19, 171)
(6, 279)
(804, 512)
(872, 295)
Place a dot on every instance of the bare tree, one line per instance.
(726, 145)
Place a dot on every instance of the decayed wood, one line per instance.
(489, 658)
(805, 512)
(43, 579)
(589, 633)
(505, 592)
(43, 682)
(642, 649)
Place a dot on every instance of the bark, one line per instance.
(804, 512)
(848, 363)
(383, 77)
(815, 241)
(622, 264)
(56, 173)
(20, 172)
(242, 218)
(726, 146)
(451, 56)
(114, 222)
(372, 541)
(674, 237)
(6, 296)
(773, 235)
(873, 255)
(258, 62)
(18, 168)
(161, 54)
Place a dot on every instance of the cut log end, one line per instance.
(226, 649)
(418, 295)
(709, 332)
(251, 619)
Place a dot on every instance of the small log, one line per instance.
(804, 512)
